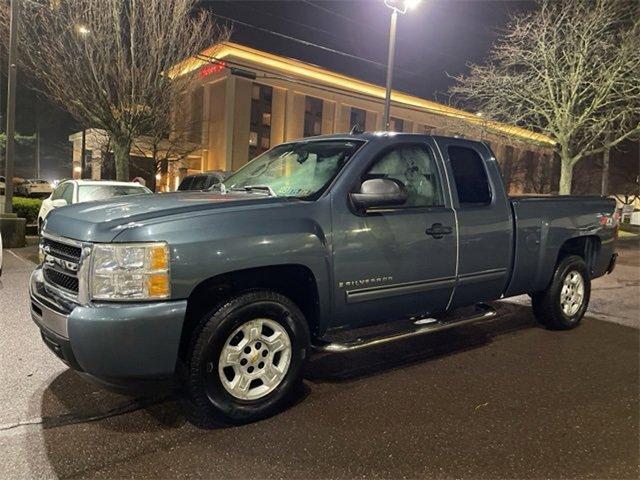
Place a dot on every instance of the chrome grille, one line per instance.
(61, 264)
(68, 252)
(60, 279)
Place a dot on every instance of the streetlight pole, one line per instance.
(11, 105)
(396, 6)
(390, 59)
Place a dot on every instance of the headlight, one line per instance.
(133, 271)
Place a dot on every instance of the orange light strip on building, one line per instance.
(319, 75)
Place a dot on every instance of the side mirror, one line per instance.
(379, 192)
(59, 202)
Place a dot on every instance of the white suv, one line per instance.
(77, 191)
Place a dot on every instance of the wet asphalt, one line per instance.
(500, 399)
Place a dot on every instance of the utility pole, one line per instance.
(390, 59)
(11, 105)
(38, 150)
(604, 186)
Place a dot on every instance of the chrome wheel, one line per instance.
(572, 293)
(255, 359)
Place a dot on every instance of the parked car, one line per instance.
(308, 245)
(201, 181)
(2, 185)
(77, 191)
(34, 187)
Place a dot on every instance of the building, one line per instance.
(246, 101)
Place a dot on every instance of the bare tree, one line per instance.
(108, 62)
(170, 141)
(568, 70)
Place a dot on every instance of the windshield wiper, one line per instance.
(250, 188)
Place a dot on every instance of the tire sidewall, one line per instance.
(207, 388)
(567, 266)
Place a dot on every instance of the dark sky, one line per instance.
(438, 37)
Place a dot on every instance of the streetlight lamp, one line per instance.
(396, 6)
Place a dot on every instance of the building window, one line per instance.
(396, 124)
(260, 128)
(312, 116)
(358, 117)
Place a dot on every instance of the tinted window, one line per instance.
(415, 168)
(185, 184)
(470, 176)
(199, 182)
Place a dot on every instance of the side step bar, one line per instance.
(420, 327)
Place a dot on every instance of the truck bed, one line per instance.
(546, 225)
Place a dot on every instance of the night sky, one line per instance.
(438, 38)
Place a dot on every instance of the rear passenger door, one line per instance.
(484, 221)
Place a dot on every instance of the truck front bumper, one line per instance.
(115, 343)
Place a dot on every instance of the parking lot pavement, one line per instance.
(500, 399)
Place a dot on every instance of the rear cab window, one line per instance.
(470, 176)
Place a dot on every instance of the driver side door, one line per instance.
(387, 264)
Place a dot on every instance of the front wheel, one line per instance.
(563, 303)
(245, 359)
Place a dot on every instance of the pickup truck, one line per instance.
(228, 291)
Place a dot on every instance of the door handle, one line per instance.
(437, 230)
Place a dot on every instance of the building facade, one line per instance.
(246, 101)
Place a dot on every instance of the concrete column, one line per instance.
(216, 127)
(96, 164)
(206, 120)
(76, 168)
(241, 123)
(294, 119)
(343, 117)
(328, 116)
(229, 110)
(407, 126)
(336, 117)
(278, 107)
(371, 121)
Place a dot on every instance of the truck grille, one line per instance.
(61, 264)
(68, 252)
(62, 280)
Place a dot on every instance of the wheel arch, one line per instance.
(587, 247)
(295, 281)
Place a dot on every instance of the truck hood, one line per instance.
(101, 221)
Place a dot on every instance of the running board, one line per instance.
(420, 327)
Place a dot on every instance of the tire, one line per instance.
(563, 303)
(257, 381)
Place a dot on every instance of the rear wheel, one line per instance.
(245, 359)
(563, 303)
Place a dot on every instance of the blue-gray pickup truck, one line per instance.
(230, 290)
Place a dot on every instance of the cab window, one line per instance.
(470, 176)
(414, 167)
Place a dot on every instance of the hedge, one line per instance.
(27, 208)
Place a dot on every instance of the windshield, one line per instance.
(87, 193)
(300, 169)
